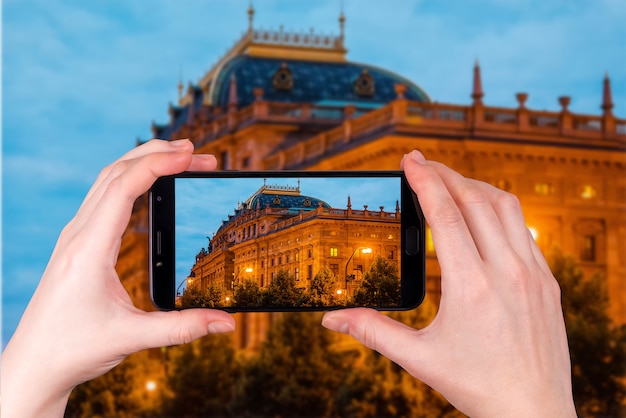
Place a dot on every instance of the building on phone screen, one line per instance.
(279, 230)
(282, 100)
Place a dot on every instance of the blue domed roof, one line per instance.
(312, 82)
(286, 201)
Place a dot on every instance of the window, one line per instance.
(588, 249)
(588, 192)
(333, 251)
(296, 273)
(297, 256)
(310, 272)
(262, 264)
(310, 253)
(246, 162)
(430, 244)
(544, 189)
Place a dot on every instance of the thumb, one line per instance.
(394, 340)
(160, 329)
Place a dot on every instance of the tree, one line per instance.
(597, 347)
(201, 379)
(248, 294)
(282, 292)
(296, 373)
(118, 393)
(194, 297)
(323, 287)
(381, 285)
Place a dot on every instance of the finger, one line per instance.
(202, 162)
(509, 212)
(455, 247)
(164, 329)
(479, 214)
(394, 340)
(150, 147)
(107, 213)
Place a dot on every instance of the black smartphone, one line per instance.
(286, 241)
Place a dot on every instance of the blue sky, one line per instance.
(82, 80)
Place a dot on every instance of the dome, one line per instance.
(315, 82)
(274, 199)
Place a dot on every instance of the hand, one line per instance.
(81, 322)
(497, 346)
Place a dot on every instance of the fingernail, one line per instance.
(337, 325)
(219, 327)
(418, 157)
(179, 142)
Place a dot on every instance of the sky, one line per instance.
(81, 81)
(202, 204)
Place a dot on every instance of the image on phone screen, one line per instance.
(287, 242)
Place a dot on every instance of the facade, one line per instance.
(281, 100)
(278, 228)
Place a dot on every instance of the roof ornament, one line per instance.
(477, 88)
(364, 84)
(342, 21)
(607, 100)
(250, 17)
(283, 79)
(180, 83)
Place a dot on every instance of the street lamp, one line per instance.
(188, 280)
(364, 250)
(234, 282)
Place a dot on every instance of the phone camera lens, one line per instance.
(159, 198)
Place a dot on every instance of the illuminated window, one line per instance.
(390, 236)
(430, 244)
(588, 192)
(296, 273)
(333, 252)
(544, 189)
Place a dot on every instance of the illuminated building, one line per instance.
(281, 100)
(278, 228)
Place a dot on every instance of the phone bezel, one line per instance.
(162, 238)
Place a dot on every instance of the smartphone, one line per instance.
(286, 241)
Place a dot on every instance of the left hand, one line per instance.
(81, 322)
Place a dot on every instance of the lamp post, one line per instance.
(188, 280)
(364, 250)
(235, 276)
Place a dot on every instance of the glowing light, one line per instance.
(533, 232)
(151, 385)
(339, 291)
(248, 270)
(367, 250)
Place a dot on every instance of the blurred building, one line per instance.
(283, 100)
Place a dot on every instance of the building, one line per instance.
(281, 100)
(279, 228)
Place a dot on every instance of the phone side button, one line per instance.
(411, 246)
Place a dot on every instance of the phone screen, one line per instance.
(289, 242)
